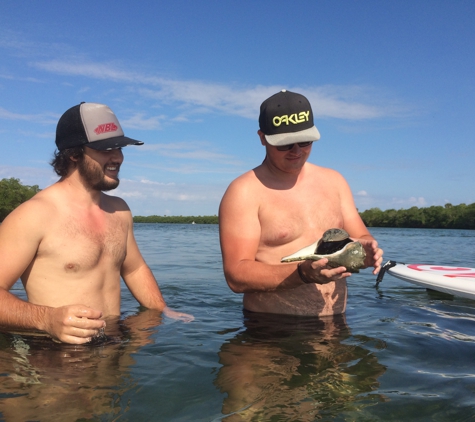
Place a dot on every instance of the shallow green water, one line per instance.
(399, 353)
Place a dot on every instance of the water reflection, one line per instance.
(43, 380)
(294, 368)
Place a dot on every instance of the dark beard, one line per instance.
(94, 178)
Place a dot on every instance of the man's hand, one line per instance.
(177, 315)
(318, 272)
(74, 324)
(374, 255)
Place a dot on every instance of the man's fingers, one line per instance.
(324, 274)
(74, 324)
(76, 340)
(337, 273)
(87, 323)
(85, 311)
(178, 315)
(79, 335)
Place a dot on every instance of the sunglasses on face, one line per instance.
(290, 146)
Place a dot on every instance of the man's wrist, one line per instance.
(302, 276)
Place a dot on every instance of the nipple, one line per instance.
(71, 267)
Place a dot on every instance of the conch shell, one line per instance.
(337, 247)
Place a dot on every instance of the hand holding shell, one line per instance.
(337, 247)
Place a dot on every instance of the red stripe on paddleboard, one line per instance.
(417, 267)
(449, 269)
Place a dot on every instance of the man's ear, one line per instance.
(262, 137)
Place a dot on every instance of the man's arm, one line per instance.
(140, 280)
(20, 236)
(240, 233)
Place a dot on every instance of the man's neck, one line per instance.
(74, 183)
(277, 178)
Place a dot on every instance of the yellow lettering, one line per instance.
(293, 118)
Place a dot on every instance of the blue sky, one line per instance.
(392, 86)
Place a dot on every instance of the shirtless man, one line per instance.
(282, 206)
(71, 243)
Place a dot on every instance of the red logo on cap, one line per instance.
(106, 127)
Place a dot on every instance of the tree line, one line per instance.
(436, 217)
(210, 219)
(13, 193)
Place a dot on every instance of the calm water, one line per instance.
(399, 353)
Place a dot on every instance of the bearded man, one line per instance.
(71, 243)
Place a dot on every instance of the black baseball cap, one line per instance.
(287, 118)
(91, 124)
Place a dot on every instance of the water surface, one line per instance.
(399, 353)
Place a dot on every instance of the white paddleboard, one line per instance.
(457, 281)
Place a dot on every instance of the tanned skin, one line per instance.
(276, 209)
(70, 245)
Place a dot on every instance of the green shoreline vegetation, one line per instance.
(436, 217)
(462, 216)
(12, 194)
(177, 219)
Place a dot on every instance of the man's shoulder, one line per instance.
(247, 177)
(32, 215)
(242, 191)
(320, 169)
(328, 173)
(245, 182)
(43, 201)
(114, 203)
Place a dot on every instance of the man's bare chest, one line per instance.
(77, 244)
(287, 217)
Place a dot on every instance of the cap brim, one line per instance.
(307, 135)
(113, 143)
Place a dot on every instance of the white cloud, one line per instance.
(16, 78)
(196, 97)
(341, 102)
(44, 118)
(147, 197)
(84, 90)
(90, 70)
(41, 176)
(366, 201)
(131, 195)
(194, 168)
(198, 150)
(397, 202)
(139, 121)
(419, 201)
(42, 135)
(150, 182)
